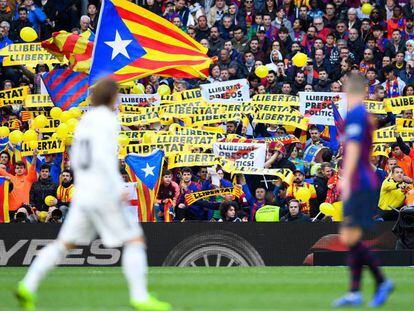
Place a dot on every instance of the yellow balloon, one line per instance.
(338, 214)
(366, 8)
(68, 140)
(4, 131)
(123, 140)
(55, 112)
(62, 131)
(72, 124)
(138, 88)
(28, 34)
(29, 135)
(261, 71)
(164, 89)
(147, 138)
(66, 115)
(75, 112)
(16, 137)
(40, 121)
(33, 144)
(327, 209)
(303, 194)
(49, 200)
(300, 59)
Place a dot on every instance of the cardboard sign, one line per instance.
(44, 147)
(139, 99)
(15, 96)
(317, 106)
(38, 101)
(226, 92)
(244, 154)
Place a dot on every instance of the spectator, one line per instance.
(294, 213)
(6, 13)
(22, 184)
(392, 194)
(202, 29)
(403, 160)
(239, 41)
(42, 188)
(393, 85)
(64, 191)
(228, 212)
(276, 157)
(307, 207)
(18, 25)
(168, 195)
(215, 41)
(217, 12)
(321, 182)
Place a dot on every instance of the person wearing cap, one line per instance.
(393, 85)
(264, 42)
(308, 207)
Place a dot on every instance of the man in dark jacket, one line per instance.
(42, 188)
(294, 214)
(18, 25)
(321, 182)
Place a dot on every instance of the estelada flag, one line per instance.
(4, 200)
(76, 48)
(145, 171)
(132, 43)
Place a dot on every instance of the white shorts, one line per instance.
(110, 222)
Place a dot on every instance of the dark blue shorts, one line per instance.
(360, 209)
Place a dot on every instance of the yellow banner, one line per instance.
(141, 119)
(49, 146)
(30, 59)
(38, 100)
(177, 129)
(283, 119)
(136, 135)
(192, 140)
(397, 104)
(387, 135)
(192, 159)
(213, 118)
(14, 96)
(134, 109)
(380, 150)
(20, 48)
(169, 149)
(277, 98)
(275, 108)
(180, 111)
(188, 95)
(405, 125)
(244, 107)
(375, 107)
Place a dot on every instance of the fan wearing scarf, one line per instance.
(393, 85)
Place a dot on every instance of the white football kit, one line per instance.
(96, 204)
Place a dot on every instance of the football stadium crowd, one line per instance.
(300, 173)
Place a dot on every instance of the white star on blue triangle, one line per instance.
(146, 167)
(115, 46)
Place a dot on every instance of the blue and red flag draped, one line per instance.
(145, 171)
(4, 200)
(66, 88)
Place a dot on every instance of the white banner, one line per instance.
(317, 106)
(244, 154)
(226, 92)
(139, 99)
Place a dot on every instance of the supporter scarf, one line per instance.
(193, 197)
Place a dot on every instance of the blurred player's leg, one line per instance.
(44, 262)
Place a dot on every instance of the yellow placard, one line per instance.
(49, 146)
(38, 100)
(51, 126)
(283, 119)
(375, 107)
(405, 125)
(169, 149)
(387, 135)
(21, 48)
(188, 95)
(397, 104)
(380, 150)
(15, 96)
(33, 58)
(141, 119)
(192, 159)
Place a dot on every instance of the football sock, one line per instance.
(135, 267)
(369, 259)
(355, 266)
(44, 262)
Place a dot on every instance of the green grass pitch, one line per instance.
(218, 289)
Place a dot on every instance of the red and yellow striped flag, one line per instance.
(76, 48)
(4, 200)
(132, 43)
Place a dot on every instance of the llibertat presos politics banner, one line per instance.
(243, 154)
(317, 106)
(226, 92)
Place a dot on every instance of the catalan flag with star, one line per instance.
(145, 171)
(132, 43)
(4, 200)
